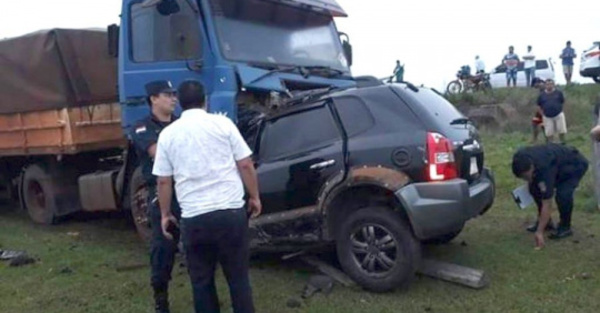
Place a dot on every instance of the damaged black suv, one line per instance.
(376, 171)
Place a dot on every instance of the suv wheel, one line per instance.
(596, 79)
(377, 249)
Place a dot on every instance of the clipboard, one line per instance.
(523, 197)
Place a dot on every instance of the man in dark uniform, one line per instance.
(548, 168)
(162, 99)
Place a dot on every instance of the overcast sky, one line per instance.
(433, 38)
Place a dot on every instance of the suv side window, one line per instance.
(156, 37)
(298, 133)
(541, 64)
(354, 114)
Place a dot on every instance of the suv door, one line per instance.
(297, 154)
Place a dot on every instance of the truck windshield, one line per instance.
(267, 32)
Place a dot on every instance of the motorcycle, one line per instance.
(466, 82)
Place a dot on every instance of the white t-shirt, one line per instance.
(529, 63)
(200, 151)
(479, 65)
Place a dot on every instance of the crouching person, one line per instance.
(552, 171)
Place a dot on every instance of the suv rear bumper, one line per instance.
(440, 208)
(590, 72)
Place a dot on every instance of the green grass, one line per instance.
(522, 280)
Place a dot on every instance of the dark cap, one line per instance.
(159, 86)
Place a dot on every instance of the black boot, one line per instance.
(561, 232)
(161, 300)
(533, 227)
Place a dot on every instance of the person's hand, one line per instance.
(165, 222)
(254, 207)
(539, 240)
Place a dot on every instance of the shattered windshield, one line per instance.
(267, 32)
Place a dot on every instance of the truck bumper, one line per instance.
(440, 208)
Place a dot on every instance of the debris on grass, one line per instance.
(130, 267)
(8, 255)
(317, 283)
(21, 260)
(66, 270)
(293, 303)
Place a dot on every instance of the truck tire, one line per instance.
(377, 249)
(444, 239)
(139, 204)
(39, 194)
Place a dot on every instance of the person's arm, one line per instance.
(242, 155)
(543, 221)
(163, 169)
(152, 150)
(545, 187)
(248, 174)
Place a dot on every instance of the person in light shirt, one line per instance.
(529, 66)
(479, 65)
(211, 164)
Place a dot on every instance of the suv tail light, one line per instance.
(440, 158)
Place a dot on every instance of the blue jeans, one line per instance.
(511, 74)
(529, 75)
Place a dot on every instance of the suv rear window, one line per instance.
(354, 114)
(440, 112)
(541, 64)
(298, 133)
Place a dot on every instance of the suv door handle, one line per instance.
(322, 165)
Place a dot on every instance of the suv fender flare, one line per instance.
(378, 176)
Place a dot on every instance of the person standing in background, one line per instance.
(567, 56)
(479, 65)
(551, 102)
(511, 61)
(399, 71)
(529, 66)
(595, 134)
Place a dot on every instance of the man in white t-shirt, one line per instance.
(529, 66)
(479, 65)
(210, 163)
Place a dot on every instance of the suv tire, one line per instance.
(377, 249)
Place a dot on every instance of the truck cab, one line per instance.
(250, 53)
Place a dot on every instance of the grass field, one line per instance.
(77, 271)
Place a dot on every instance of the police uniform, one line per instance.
(162, 250)
(557, 169)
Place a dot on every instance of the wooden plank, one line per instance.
(329, 270)
(454, 273)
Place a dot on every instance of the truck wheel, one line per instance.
(596, 79)
(377, 249)
(39, 195)
(444, 239)
(139, 204)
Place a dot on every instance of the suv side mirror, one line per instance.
(347, 47)
(113, 40)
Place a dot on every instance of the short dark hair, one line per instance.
(528, 47)
(521, 164)
(511, 47)
(569, 42)
(191, 95)
(549, 80)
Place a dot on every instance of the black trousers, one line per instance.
(220, 236)
(567, 182)
(162, 250)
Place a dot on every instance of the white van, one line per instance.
(544, 69)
